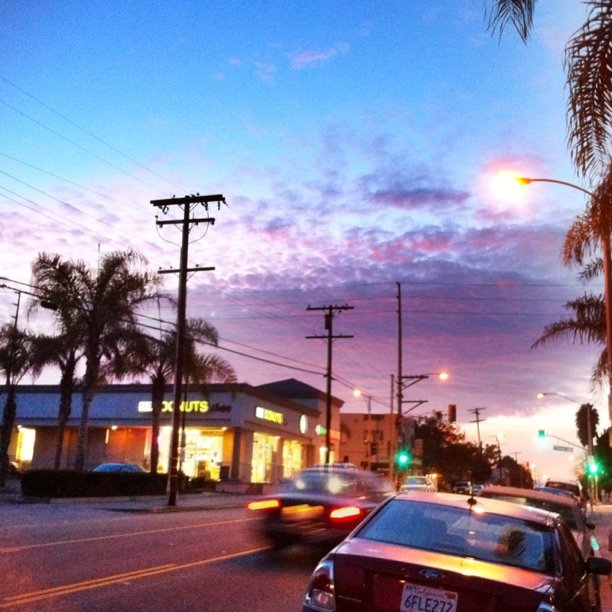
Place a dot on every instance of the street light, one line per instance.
(541, 395)
(404, 382)
(589, 459)
(607, 265)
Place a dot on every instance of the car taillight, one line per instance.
(345, 512)
(264, 504)
(320, 592)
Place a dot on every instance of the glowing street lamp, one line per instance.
(607, 265)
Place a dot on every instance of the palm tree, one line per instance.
(585, 421)
(62, 352)
(16, 359)
(586, 325)
(588, 62)
(582, 247)
(156, 358)
(100, 304)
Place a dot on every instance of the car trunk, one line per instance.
(389, 577)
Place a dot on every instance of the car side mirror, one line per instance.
(599, 566)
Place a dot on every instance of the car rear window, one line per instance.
(462, 532)
(348, 483)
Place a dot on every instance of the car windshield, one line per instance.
(462, 532)
(567, 486)
(571, 515)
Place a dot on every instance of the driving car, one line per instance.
(442, 551)
(417, 483)
(321, 505)
(119, 467)
(566, 506)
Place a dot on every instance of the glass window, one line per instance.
(464, 532)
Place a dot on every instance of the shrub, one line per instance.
(73, 483)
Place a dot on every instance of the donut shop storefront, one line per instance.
(236, 432)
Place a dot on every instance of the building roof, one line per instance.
(292, 388)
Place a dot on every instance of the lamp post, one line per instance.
(575, 401)
(404, 382)
(607, 265)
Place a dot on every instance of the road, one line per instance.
(67, 558)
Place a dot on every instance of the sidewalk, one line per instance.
(602, 517)
(11, 494)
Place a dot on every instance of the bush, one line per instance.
(72, 483)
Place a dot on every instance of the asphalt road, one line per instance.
(204, 555)
(69, 557)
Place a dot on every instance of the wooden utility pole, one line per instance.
(477, 420)
(188, 203)
(329, 317)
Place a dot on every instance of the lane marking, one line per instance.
(95, 583)
(13, 549)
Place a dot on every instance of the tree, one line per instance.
(586, 324)
(445, 450)
(62, 352)
(584, 414)
(156, 358)
(16, 350)
(588, 63)
(101, 306)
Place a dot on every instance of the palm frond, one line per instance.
(517, 12)
(588, 61)
(591, 269)
(588, 324)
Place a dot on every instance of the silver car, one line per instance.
(417, 483)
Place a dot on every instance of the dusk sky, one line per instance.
(355, 143)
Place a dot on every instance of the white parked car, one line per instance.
(417, 483)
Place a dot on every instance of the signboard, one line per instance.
(567, 449)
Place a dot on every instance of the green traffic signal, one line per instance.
(593, 468)
(541, 434)
(402, 459)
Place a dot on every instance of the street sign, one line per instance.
(567, 449)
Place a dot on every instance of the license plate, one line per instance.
(301, 512)
(416, 598)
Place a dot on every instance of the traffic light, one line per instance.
(593, 466)
(452, 413)
(541, 434)
(402, 459)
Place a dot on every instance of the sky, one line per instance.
(356, 145)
